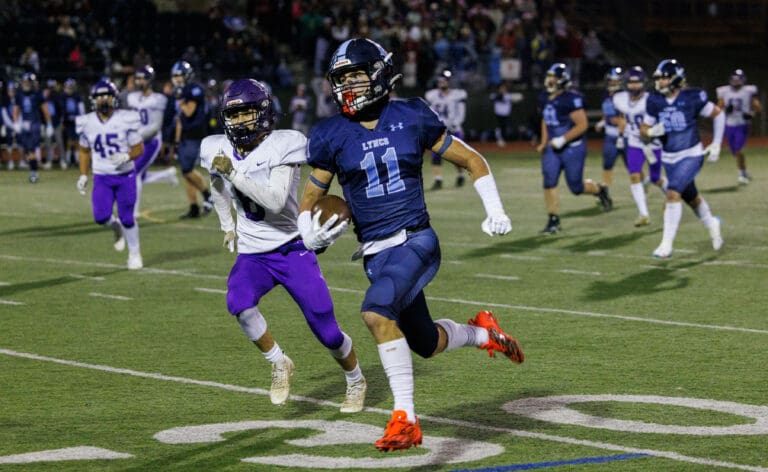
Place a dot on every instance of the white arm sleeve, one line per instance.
(222, 203)
(486, 188)
(718, 124)
(273, 196)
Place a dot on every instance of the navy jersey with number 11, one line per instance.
(379, 170)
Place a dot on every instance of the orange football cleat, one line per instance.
(400, 433)
(498, 340)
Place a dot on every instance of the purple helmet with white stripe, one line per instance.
(634, 76)
(738, 78)
(247, 112)
(104, 88)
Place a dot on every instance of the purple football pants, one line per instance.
(736, 137)
(108, 189)
(636, 160)
(296, 269)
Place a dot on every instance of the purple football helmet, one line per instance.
(635, 75)
(246, 96)
(738, 78)
(104, 87)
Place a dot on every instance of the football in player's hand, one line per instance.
(332, 205)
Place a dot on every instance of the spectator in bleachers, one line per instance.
(593, 57)
(299, 108)
(30, 60)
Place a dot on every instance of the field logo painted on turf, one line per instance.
(555, 410)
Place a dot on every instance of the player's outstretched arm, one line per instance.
(222, 203)
(460, 153)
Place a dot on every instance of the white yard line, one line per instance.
(111, 297)
(182, 273)
(448, 421)
(497, 277)
(211, 290)
(86, 277)
(578, 272)
(10, 302)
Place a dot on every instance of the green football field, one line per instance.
(632, 363)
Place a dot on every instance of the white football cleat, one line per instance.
(355, 397)
(744, 179)
(714, 233)
(135, 262)
(664, 251)
(281, 381)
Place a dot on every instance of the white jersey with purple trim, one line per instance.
(633, 111)
(259, 230)
(116, 135)
(151, 110)
(450, 106)
(741, 101)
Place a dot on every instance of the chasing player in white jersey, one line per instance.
(151, 107)
(109, 143)
(631, 104)
(740, 102)
(257, 169)
(450, 104)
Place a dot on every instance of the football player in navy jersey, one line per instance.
(563, 148)
(614, 142)
(375, 146)
(672, 115)
(29, 112)
(191, 128)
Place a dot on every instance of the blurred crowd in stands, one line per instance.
(287, 44)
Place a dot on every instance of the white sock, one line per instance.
(132, 238)
(274, 355)
(354, 375)
(638, 193)
(139, 186)
(460, 335)
(396, 359)
(672, 215)
(704, 213)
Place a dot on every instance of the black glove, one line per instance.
(729, 109)
(747, 116)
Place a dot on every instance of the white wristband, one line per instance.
(486, 188)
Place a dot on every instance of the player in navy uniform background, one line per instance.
(563, 125)
(28, 115)
(614, 143)
(672, 114)
(191, 128)
(375, 147)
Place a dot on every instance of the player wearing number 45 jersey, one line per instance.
(109, 143)
(376, 147)
(257, 169)
(740, 102)
(672, 114)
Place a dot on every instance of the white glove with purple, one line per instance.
(82, 184)
(119, 158)
(230, 240)
(656, 130)
(317, 236)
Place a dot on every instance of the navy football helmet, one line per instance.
(182, 73)
(738, 78)
(635, 80)
(613, 79)
(70, 86)
(246, 96)
(104, 88)
(28, 81)
(360, 54)
(558, 77)
(669, 69)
